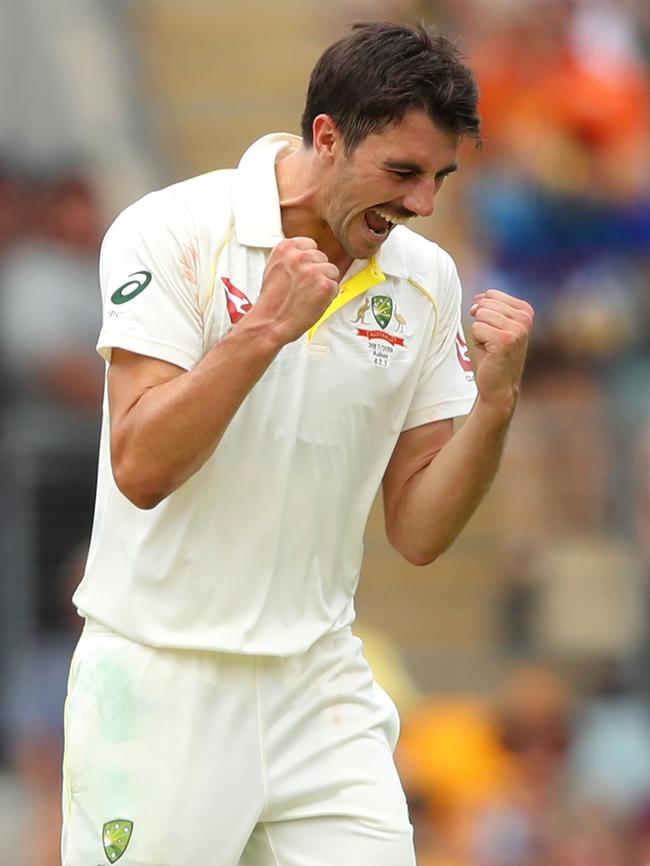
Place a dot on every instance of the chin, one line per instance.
(362, 249)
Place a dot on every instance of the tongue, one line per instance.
(376, 222)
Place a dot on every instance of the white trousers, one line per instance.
(179, 758)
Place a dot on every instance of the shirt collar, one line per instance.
(256, 203)
(391, 257)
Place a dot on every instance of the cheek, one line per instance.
(342, 209)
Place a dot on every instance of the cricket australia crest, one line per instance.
(381, 341)
(116, 836)
(382, 310)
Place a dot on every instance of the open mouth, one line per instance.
(380, 223)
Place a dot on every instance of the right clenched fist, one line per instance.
(298, 285)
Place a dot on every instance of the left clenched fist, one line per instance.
(502, 325)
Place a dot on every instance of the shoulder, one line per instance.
(422, 255)
(426, 263)
(192, 206)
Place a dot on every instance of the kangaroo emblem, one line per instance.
(361, 311)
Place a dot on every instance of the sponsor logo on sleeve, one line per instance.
(463, 353)
(132, 288)
(236, 301)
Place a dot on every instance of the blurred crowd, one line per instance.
(51, 385)
(536, 775)
(51, 381)
(554, 769)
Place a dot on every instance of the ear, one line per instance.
(327, 138)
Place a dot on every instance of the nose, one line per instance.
(420, 198)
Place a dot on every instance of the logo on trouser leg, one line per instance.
(116, 836)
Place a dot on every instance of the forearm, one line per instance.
(172, 428)
(440, 498)
(435, 480)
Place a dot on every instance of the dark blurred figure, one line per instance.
(641, 845)
(640, 476)
(14, 203)
(50, 309)
(49, 429)
(15, 207)
(534, 721)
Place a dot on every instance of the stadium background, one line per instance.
(520, 659)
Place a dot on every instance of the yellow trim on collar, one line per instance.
(365, 279)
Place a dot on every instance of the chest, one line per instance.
(372, 338)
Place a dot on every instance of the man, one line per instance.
(277, 343)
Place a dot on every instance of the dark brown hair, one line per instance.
(381, 70)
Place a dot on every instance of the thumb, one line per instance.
(304, 243)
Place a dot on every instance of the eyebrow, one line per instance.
(415, 168)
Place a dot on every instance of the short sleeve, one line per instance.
(446, 387)
(149, 283)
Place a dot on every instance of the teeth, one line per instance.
(395, 220)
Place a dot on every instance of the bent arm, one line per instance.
(435, 481)
(166, 422)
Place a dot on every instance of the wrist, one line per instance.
(498, 409)
(261, 335)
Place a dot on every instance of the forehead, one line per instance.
(415, 138)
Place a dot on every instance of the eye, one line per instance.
(403, 175)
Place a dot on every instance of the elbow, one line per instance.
(417, 556)
(142, 492)
(414, 551)
(143, 500)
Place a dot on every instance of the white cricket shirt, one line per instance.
(260, 550)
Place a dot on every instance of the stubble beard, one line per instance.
(354, 251)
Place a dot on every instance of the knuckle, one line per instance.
(304, 243)
(301, 257)
(328, 287)
(518, 336)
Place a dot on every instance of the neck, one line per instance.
(298, 177)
